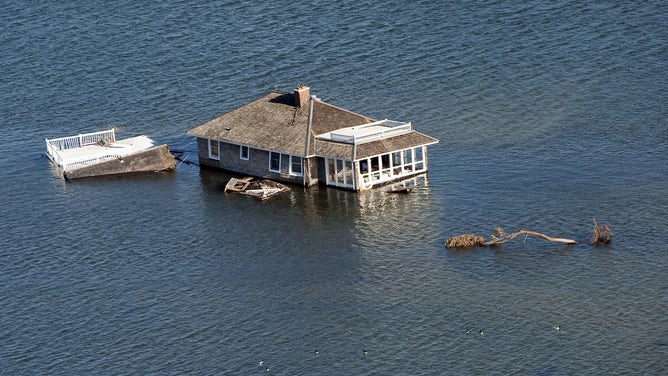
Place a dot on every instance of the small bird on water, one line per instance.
(557, 328)
(482, 332)
(364, 352)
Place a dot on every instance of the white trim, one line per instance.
(395, 170)
(212, 156)
(347, 173)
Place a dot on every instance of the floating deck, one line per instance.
(99, 153)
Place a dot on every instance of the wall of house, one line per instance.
(311, 170)
(203, 153)
(257, 164)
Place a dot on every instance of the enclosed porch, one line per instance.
(376, 170)
(373, 154)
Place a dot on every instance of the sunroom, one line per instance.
(373, 154)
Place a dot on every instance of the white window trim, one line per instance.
(211, 156)
(301, 173)
(241, 152)
(345, 164)
(280, 156)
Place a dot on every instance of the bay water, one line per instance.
(550, 114)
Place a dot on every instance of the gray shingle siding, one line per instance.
(257, 164)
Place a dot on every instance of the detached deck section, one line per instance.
(299, 139)
(99, 154)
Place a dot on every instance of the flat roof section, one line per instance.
(367, 132)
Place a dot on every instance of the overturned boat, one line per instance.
(99, 154)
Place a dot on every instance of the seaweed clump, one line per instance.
(465, 241)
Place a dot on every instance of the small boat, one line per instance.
(100, 153)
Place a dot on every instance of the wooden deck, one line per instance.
(77, 157)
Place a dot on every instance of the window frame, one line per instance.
(293, 159)
(215, 156)
(271, 154)
(241, 152)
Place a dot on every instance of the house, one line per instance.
(298, 138)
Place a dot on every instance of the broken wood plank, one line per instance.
(237, 185)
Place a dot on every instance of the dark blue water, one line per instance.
(550, 114)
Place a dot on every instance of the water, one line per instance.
(550, 114)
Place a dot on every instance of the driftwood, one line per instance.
(503, 238)
(498, 237)
(601, 235)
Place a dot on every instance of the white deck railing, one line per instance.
(363, 133)
(54, 146)
(84, 162)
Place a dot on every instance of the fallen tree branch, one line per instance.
(496, 241)
(498, 237)
(601, 234)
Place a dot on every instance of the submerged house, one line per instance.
(297, 138)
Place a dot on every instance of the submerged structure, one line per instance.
(99, 154)
(298, 138)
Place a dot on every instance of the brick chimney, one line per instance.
(301, 95)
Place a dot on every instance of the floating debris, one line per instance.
(601, 234)
(401, 190)
(100, 153)
(497, 238)
(262, 189)
(465, 241)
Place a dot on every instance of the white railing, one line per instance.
(381, 134)
(81, 140)
(362, 133)
(54, 146)
(84, 162)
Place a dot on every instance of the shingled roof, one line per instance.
(274, 122)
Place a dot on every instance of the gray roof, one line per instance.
(273, 122)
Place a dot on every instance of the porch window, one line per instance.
(408, 160)
(274, 161)
(243, 152)
(296, 165)
(397, 162)
(214, 149)
(340, 173)
(385, 167)
(419, 158)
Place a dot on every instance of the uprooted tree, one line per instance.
(601, 235)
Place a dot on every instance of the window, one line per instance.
(296, 165)
(214, 150)
(349, 174)
(340, 173)
(331, 177)
(274, 161)
(408, 156)
(243, 152)
(397, 162)
(419, 158)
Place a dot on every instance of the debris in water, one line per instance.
(601, 234)
(261, 189)
(497, 238)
